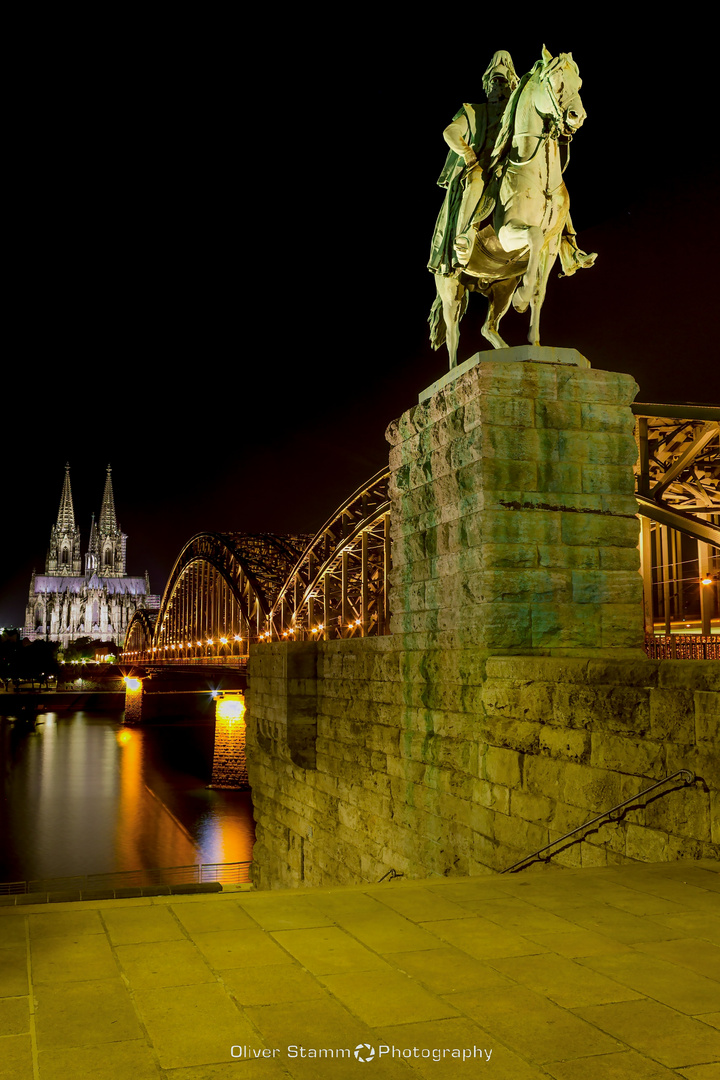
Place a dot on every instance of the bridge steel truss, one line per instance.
(217, 598)
(227, 590)
(339, 586)
(678, 494)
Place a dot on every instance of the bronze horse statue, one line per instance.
(522, 222)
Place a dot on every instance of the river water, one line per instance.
(81, 794)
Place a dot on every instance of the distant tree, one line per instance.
(9, 653)
(37, 661)
(81, 649)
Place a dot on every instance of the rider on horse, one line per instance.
(471, 138)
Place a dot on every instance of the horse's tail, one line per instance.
(437, 324)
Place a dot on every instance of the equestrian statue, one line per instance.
(506, 214)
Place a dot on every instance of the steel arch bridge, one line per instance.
(228, 590)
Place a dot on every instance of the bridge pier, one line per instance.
(133, 699)
(229, 758)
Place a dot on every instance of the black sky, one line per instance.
(219, 283)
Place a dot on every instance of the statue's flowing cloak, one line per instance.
(442, 253)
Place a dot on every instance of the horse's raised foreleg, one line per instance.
(516, 236)
(452, 292)
(499, 297)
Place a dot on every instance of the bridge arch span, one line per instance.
(220, 592)
(139, 634)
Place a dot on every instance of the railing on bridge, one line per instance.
(683, 647)
(226, 873)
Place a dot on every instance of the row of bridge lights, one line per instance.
(190, 645)
(266, 635)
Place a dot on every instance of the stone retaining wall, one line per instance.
(512, 700)
(430, 764)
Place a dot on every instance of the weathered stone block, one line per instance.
(608, 478)
(537, 808)
(514, 734)
(622, 625)
(683, 812)
(615, 558)
(645, 845)
(672, 715)
(498, 474)
(555, 477)
(522, 586)
(519, 444)
(593, 385)
(690, 674)
(599, 530)
(573, 745)
(600, 417)
(508, 411)
(580, 558)
(502, 766)
(516, 380)
(596, 448)
(504, 626)
(536, 702)
(558, 414)
(623, 755)
(596, 789)
(606, 587)
(507, 556)
(524, 836)
(565, 624)
(707, 717)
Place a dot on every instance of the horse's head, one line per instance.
(560, 81)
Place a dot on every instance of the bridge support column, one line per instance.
(133, 699)
(229, 760)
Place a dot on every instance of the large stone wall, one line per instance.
(428, 765)
(512, 701)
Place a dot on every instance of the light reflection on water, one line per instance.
(83, 795)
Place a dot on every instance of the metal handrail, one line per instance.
(229, 873)
(690, 779)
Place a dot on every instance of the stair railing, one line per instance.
(689, 778)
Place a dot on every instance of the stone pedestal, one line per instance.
(514, 522)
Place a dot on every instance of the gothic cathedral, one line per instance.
(67, 603)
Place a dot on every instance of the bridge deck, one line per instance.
(567, 974)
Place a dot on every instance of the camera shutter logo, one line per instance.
(367, 1049)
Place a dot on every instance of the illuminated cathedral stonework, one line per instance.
(67, 602)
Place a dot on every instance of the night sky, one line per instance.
(219, 281)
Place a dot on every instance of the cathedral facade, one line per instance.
(70, 601)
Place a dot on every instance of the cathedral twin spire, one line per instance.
(66, 513)
(106, 553)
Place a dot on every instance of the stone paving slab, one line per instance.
(608, 973)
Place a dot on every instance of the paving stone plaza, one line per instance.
(595, 974)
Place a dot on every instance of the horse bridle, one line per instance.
(556, 127)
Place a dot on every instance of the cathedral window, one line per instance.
(64, 557)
